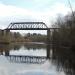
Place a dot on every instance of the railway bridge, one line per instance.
(31, 26)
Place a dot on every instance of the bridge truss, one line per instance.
(27, 26)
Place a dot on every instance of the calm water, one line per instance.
(35, 59)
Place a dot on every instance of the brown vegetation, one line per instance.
(65, 36)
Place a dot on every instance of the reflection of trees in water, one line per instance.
(16, 46)
(8, 47)
(34, 46)
(5, 47)
(64, 58)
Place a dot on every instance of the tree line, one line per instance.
(18, 37)
(65, 35)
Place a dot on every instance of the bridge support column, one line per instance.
(48, 36)
(54, 37)
(7, 34)
(2, 32)
(48, 43)
(2, 35)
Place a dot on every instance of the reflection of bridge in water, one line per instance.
(5, 50)
(26, 59)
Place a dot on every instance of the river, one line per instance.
(34, 59)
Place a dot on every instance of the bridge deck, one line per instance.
(30, 28)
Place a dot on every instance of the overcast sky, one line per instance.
(32, 10)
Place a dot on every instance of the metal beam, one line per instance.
(31, 28)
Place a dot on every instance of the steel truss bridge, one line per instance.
(27, 26)
(30, 26)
